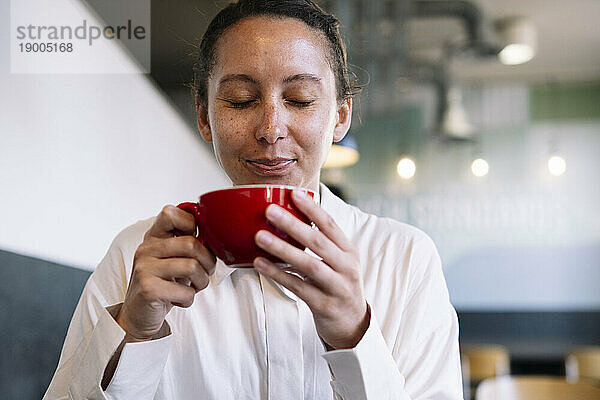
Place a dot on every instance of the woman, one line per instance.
(162, 318)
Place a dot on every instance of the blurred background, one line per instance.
(479, 123)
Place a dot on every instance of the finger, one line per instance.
(176, 293)
(182, 246)
(182, 270)
(321, 219)
(171, 218)
(315, 240)
(303, 263)
(295, 284)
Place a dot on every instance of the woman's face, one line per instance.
(272, 108)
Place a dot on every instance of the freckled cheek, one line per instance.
(231, 134)
(311, 135)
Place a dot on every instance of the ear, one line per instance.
(202, 120)
(343, 120)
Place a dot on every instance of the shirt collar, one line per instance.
(333, 205)
(222, 271)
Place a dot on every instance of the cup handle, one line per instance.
(191, 208)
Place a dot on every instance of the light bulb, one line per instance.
(516, 53)
(406, 168)
(519, 37)
(557, 165)
(455, 122)
(480, 167)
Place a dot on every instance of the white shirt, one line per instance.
(247, 337)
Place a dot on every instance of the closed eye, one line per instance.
(298, 103)
(240, 104)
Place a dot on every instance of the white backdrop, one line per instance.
(84, 155)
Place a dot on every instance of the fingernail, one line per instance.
(263, 237)
(301, 194)
(274, 211)
(260, 263)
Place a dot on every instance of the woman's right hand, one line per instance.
(168, 271)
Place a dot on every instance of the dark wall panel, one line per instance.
(537, 334)
(37, 300)
(536, 340)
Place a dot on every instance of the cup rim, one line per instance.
(259, 185)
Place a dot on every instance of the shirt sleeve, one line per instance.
(362, 372)
(422, 360)
(140, 365)
(94, 336)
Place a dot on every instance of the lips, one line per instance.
(271, 166)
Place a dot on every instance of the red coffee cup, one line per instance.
(227, 220)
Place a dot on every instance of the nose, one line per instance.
(272, 127)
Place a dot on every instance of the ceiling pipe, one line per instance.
(436, 75)
(465, 11)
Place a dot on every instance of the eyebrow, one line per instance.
(302, 77)
(237, 77)
(249, 79)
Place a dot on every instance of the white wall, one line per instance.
(518, 238)
(84, 155)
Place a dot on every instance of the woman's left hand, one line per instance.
(332, 288)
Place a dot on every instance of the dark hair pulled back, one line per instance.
(306, 11)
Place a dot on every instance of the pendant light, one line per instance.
(343, 153)
(519, 39)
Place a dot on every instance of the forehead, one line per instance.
(272, 47)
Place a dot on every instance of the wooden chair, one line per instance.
(535, 388)
(486, 361)
(466, 377)
(583, 363)
(481, 362)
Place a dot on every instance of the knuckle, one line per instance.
(167, 213)
(167, 210)
(143, 248)
(139, 263)
(191, 266)
(329, 221)
(189, 244)
(146, 289)
(198, 246)
(312, 268)
(354, 275)
(315, 241)
(188, 298)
